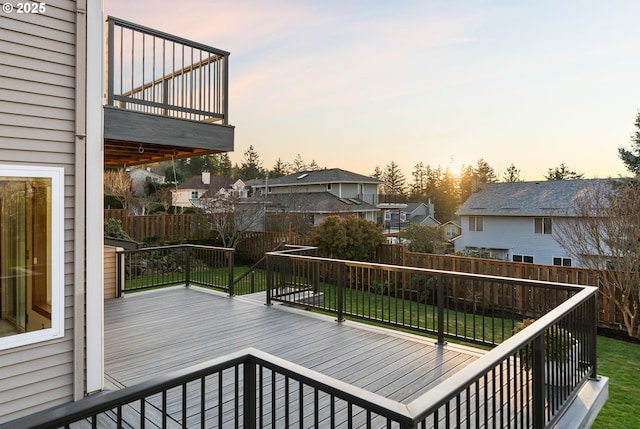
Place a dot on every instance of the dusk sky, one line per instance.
(358, 84)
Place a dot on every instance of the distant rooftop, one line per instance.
(541, 198)
(332, 175)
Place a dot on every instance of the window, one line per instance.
(476, 223)
(31, 255)
(564, 262)
(542, 225)
(194, 195)
(329, 186)
(522, 258)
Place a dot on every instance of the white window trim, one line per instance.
(56, 174)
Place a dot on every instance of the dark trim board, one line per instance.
(160, 331)
(160, 137)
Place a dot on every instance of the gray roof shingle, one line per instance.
(315, 202)
(332, 175)
(543, 198)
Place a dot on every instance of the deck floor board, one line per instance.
(152, 333)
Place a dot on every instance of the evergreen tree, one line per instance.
(562, 172)
(512, 174)
(631, 157)
(251, 167)
(298, 165)
(466, 182)
(394, 180)
(314, 166)
(485, 172)
(279, 169)
(224, 165)
(419, 185)
(377, 173)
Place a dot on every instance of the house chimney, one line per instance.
(206, 177)
(475, 184)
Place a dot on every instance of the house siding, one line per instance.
(37, 117)
(507, 236)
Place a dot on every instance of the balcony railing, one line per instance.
(184, 264)
(526, 380)
(154, 72)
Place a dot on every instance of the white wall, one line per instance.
(509, 236)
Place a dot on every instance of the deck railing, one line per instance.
(158, 73)
(185, 264)
(253, 389)
(527, 380)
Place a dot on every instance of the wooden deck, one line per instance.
(152, 333)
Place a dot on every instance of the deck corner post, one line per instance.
(340, 292)
(230, 267)
(269, 275)
(538, 368)
(187, 271)
(593, 334)
(249, 394)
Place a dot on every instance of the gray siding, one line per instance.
(37, 123)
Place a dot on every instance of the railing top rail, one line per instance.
(443, 392)
(456, 274)
(177, 246)
(371, 401)
(163, 35)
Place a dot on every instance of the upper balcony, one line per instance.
(167, 97)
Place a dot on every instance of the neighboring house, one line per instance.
(450, 230)
(205, 186)
(140, 177)
(56, 138)
(409, 213)
(515, 221)
(320, 193)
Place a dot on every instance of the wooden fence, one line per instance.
(398, 255)
(172, 228)
(160, 227)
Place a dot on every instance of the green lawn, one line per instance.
(620, 361)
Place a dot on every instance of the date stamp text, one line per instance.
(24, 8)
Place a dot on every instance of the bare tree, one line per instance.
(118, 184)
(602, 231)
(231, 216)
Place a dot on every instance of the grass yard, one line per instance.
(620, 361)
